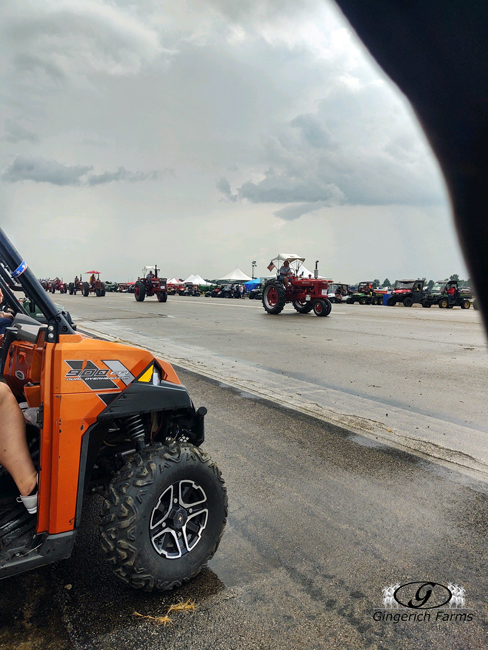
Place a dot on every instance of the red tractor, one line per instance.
(151, 285)
(296, 285)
(75, 286)
(94, 285)
(57, 285)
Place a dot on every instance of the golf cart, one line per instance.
(305, 293)
(111, 419)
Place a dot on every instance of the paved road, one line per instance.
(414, 377)
(319, 523)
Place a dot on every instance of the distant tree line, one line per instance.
(462, 283)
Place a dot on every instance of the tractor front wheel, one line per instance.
(162, 296)
(303, 307)
(86, 289)
(71, 288)
(139, 291)
(163, 516)
(274, 297)
(322, 307)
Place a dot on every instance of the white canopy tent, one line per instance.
(236, 276)
(173, 281)
(197, 279)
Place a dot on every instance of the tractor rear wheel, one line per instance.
(322, 307)
(303, 307)
(102, 290)
(391, 302)
(274, 296)
(407, 302)
(86, 289)
(162, 296)
(139, 291)
(465, 304)
(163, 516)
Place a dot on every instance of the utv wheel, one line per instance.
(465, 304)
(475, 304)
(350, 301)
(303, 307)
(407, 302)
(391, 302)
(426, 304)
(139, 291)
(162, 296)
(363, 301)
(443, 303)
(322, 307)
(86, 289)
(274, 296)
(163, 517)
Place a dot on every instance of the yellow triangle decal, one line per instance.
(147, 376)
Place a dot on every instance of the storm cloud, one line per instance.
(40, 170)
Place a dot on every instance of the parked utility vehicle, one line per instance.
(407, 292)
(112, 419)
(447, 295)
(366, 294)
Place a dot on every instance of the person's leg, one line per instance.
(14, 452)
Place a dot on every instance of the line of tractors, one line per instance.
(305, 293)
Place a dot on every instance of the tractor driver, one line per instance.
(285, 272)
(92, 279)
(14, 452)
(150, 275)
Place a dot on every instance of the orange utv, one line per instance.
(107, 418)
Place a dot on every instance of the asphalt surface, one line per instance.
(319, 523)
(407, 377)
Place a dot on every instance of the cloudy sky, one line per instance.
(209, 133)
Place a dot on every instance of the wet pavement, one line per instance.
(319, 523)
(410, 378)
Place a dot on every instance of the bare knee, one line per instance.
(6, 395)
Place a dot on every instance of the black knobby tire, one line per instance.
(53, 289)
(274, 296)
(134, 502)
(322, 307)
(363, 301)
(86, 289)
(350, 301)
(426, 304)
(98, 293)
(391, 302)
(102, 290)
(162, 296)
(302, 307)
(407, 302)
(465, 304)
(71, 288)
(475, 304)
(139, 291)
